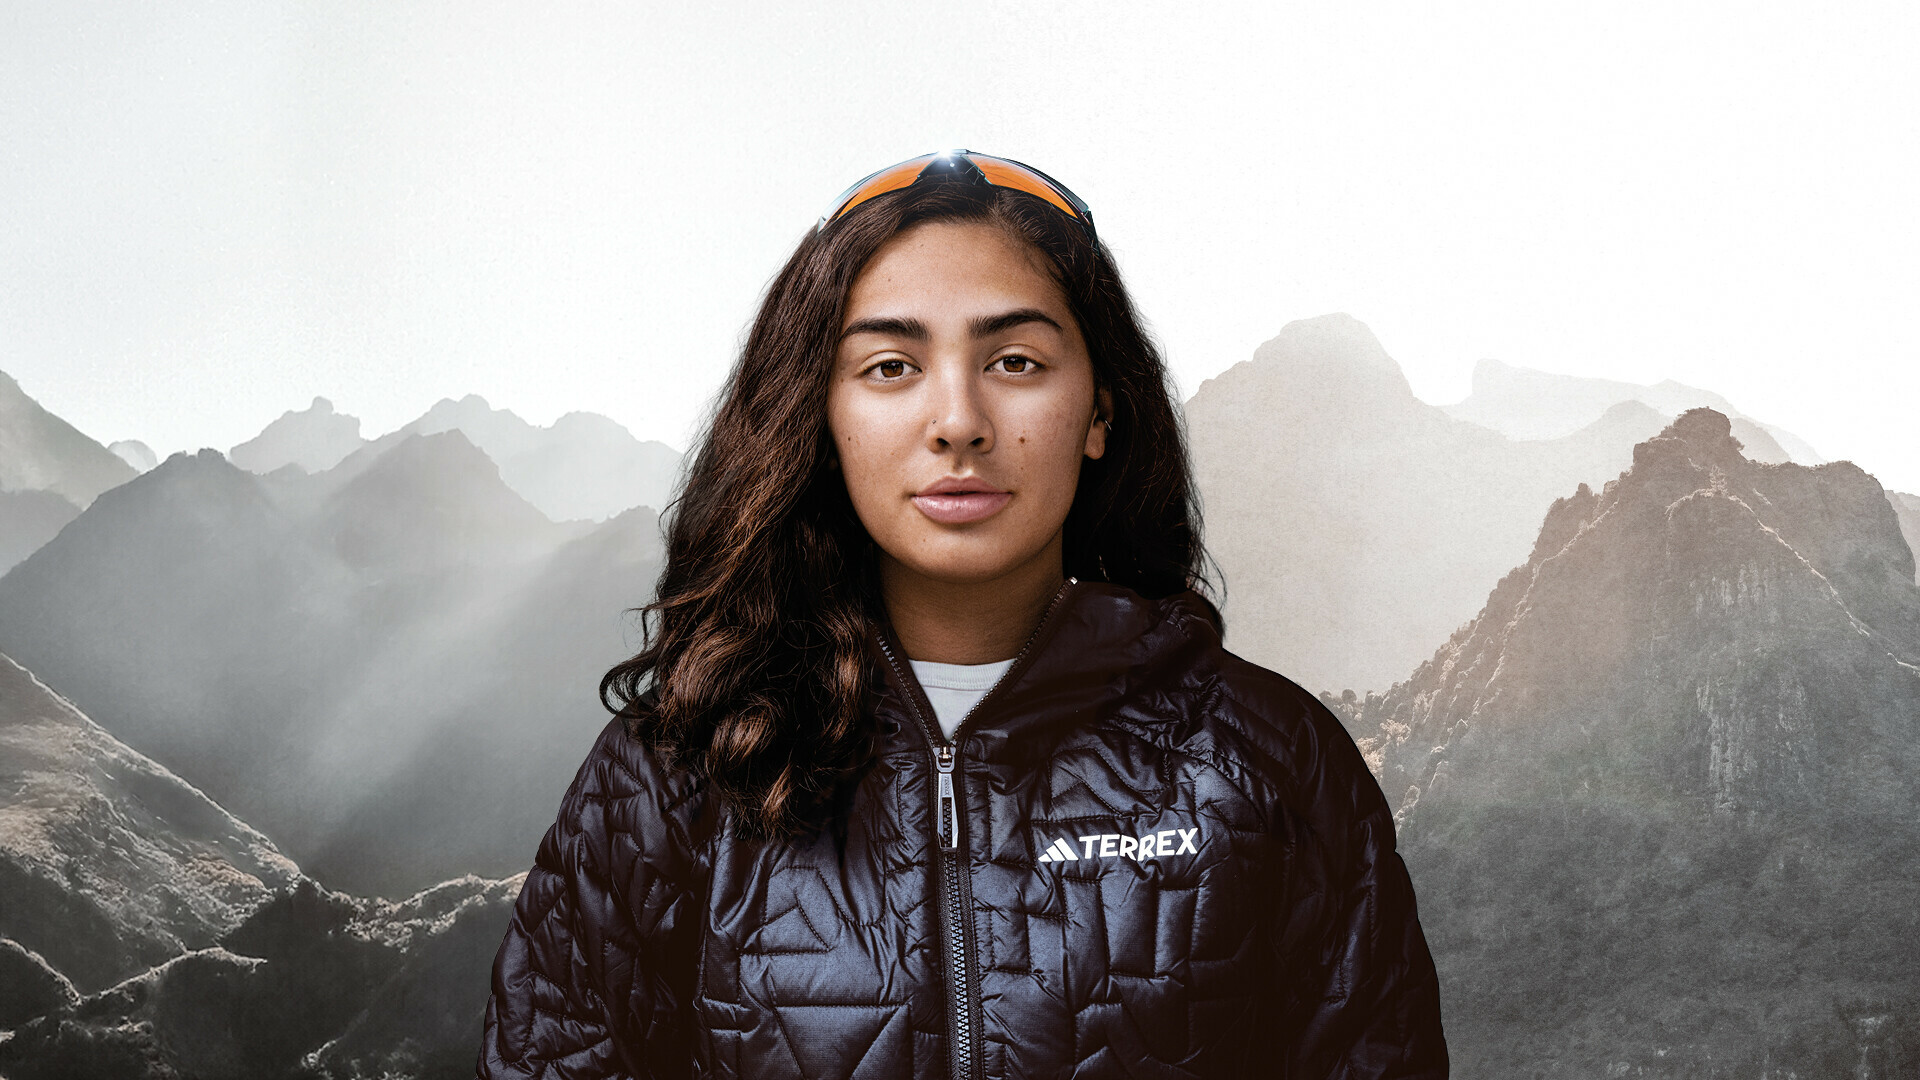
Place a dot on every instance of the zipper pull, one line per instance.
(947, 825)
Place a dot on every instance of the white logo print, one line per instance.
(1115, 846)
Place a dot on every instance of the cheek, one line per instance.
(1054, 437)
(867, 462)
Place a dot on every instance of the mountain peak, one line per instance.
(135, 453)
(1333, 339)
(434, 500)
(1325, 364)
(449, 410)
(1651, 623)
(1697, 437)
(1693, 715)
(1488, 371)
(1704, 427)
(315, 438)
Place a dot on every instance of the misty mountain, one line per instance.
(313, 439)
(135, 453)
(433, 501)
(1355, 524)
(582, 467)
(478, 784)
(395, 679)
(29, 519)
(147, 932)
(109, 863)
(1906, 508)
(1659, 794)
(41, 452)
(1524, 403)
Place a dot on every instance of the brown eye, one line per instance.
(891, 368)
(1017, 365)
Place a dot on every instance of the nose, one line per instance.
(958, 413)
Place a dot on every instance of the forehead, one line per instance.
(962, 267)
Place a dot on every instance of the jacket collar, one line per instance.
(1094, 641)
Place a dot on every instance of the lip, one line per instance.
(957, 500)
(948, 485)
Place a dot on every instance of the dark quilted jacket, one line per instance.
(1149, 858)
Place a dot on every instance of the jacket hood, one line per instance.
(1096, 643)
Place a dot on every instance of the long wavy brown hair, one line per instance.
(756, 670)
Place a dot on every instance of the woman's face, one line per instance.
(959, 361)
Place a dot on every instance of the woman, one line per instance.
(933, 764)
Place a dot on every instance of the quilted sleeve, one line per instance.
(1368, 998)
(578, 983)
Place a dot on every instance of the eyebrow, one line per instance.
(979, 326)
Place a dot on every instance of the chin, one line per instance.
(967, 563)
(966, 572)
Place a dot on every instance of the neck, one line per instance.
(973, 622)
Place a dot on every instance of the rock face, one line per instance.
(1356, 525)
(41, 452)
(415, 644)
(1658, 796)
(29, 986)
(110, 863)
(1528, 404)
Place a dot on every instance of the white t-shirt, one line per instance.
(953, 688)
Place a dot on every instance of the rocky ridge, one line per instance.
(109, 861)
(1658, 793)
(147, 933)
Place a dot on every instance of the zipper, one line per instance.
(956, 929)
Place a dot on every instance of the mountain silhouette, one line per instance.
(414, 644)
(135, 453)
(313, 439)
(1658, 793)
(41, 452)
(1355, 524)
(1528, 404)
(430, 501)
(582, 467)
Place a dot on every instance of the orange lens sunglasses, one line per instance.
(963, 166)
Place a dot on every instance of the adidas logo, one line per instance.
(1115, 846)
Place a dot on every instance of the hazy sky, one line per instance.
(211, 213)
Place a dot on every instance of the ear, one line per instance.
(1101, 425)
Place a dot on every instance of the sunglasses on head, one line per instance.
(963, 166)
